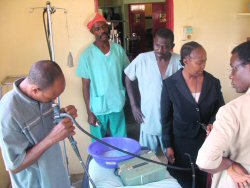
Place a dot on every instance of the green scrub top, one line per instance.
(107, 93)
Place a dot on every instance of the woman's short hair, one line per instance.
(187, 49)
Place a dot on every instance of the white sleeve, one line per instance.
(219, 140)
(130, 70)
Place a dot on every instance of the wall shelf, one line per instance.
(6, 84)
(243, 13)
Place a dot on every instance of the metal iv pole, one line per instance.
(56, 105)
(50, 10)
(49, 38)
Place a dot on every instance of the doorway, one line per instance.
(138, 21)
(144, 20)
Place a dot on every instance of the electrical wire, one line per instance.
(57, 118)
(111, 146)
(73, 143)
(66, 159)
(75, 148)
(193, 170)
(132, 154)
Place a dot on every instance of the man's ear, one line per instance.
(35, 89)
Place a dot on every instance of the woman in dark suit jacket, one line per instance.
(190, 100)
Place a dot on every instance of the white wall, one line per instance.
(218, 28)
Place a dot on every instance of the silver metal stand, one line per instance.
(50, 10)
(49, 37)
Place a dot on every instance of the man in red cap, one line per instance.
(101, 66)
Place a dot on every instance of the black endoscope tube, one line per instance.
(59, 116)
(75, 148)
(132, 154)
(193, 170)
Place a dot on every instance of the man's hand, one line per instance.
(209, 128)
(138, 115)
(239, 175)
(92, 119)
(170, 155)
(71, 110)
(62, 130)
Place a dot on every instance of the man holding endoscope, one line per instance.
(28, 137)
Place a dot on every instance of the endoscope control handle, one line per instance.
(58, 117)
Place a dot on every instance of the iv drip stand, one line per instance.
(50, 10)
(56, 104)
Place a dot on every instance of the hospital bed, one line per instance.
(106, 178)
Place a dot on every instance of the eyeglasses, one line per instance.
(103, 27)
(234, 69)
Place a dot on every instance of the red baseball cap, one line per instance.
(96, 18)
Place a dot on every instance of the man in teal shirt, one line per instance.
(101, 66)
